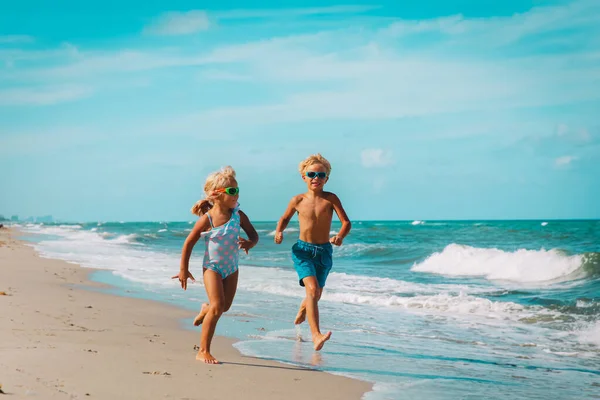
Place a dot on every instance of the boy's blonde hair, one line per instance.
(215, 180)
(314, 159)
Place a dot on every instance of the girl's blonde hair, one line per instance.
(215, 180)
(314, 159)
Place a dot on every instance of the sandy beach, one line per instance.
(59, 339)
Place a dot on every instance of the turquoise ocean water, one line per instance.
(424, 309)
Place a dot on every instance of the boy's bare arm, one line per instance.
(285, 219)
(343, 217)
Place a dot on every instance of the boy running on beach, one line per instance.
(312, 253)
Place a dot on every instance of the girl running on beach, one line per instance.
(221, 219)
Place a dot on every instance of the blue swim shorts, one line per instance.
(312, 260)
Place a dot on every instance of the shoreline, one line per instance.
(64, 337)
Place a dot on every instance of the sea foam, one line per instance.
(524, 266)
(590, 335)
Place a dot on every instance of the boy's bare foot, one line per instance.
(200, 317)
(316, 359)
(301, 317)
(320, 340)
(206, 357)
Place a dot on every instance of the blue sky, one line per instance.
(439, 110)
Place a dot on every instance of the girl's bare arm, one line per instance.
(249, 229)
(202, 225)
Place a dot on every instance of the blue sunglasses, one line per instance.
(313, 174)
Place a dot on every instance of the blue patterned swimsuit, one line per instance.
(222, 250)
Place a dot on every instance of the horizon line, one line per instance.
(57, 221)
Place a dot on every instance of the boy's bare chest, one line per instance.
(314, 209)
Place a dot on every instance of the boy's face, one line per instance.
(317, 181)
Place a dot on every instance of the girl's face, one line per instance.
(229, 194)
(315, 176)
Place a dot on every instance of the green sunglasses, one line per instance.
(232, 191)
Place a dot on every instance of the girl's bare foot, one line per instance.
(301, 317)
(206, 357)
(200, 317)
(320, 340)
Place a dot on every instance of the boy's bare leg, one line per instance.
(214, 289)
(301, 316)
(312, 312)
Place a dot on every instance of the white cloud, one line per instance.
(374, 158)
(179, 23)
(507, 29)
(386, 89)
(564, 161)
(62, 54)
(49, 139)
(346, 73)
(193, 21)
(562, 129)
(584, 135)
(294, 12)
(7, 39)
(93, 65)
(573, 133)
(42, 96)
(218, 75)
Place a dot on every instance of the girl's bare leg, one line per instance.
(200, 317)
(213, 283)
(229, 289)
